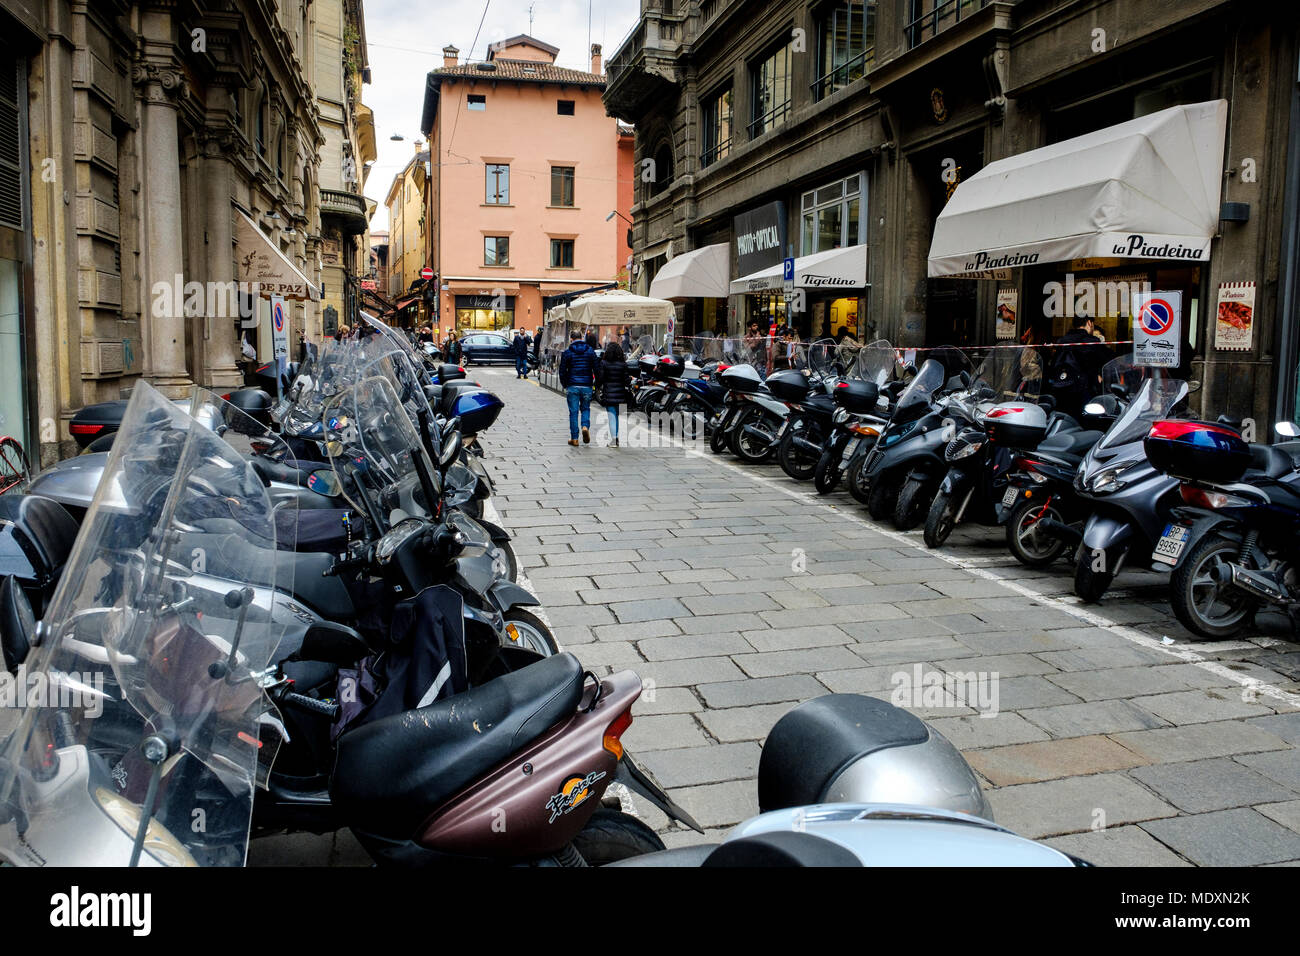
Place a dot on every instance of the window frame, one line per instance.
(498, 264)
(488, 199)
(560, 243)
(855, 66)
(809, 208)
(572, 184)
(765, 120)
(476, 102)
(716, 149)
(573, 108)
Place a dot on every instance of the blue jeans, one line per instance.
(579, 397)
(521, 365)
(612, 411)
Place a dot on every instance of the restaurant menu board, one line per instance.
(1007, 306)
(1234, 321)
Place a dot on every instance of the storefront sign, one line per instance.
(1157, 328)
(1008, 305)
(504, 303)
(1234, 321)
(760, 238)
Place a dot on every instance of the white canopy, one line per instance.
(260, 262)
(844, 268)
(699, 273)
(619, 308)
(1144, 189)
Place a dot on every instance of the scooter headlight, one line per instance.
(840, 416)
(1109, 480)
(964, 451)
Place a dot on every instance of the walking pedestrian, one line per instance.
(577, 378)
(521, 345)
(614, 383)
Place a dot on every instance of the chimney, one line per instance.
(449, 55)
(595, 58)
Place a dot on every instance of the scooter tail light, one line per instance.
(1207, 498)
(618, 726)
(80, 429)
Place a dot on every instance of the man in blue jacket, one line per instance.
(578, 378)
(521, 344)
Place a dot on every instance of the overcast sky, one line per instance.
(406, 39)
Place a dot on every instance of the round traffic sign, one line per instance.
(1156, 316)
(277, 315)
(426, 273)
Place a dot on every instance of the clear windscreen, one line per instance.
(164, 621)
(1126, 373)
(1155, 399)
(370, 438)
(929, 379)
(876, 362)
(1011, 373)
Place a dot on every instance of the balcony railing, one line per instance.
(769, 120)
(347, 206)
(843, 75)
(715, 153)
(939, 18)
(654, 32)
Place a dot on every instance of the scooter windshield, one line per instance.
(876, 362)
(931, 377)
(136, 735)
(374, 450)
(1156, 399)
(1011, 374)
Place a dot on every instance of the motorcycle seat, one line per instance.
(1069, 443)
(391, 774)
(1275, 460)
(17, 624)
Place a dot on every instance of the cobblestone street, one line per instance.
(739, 593)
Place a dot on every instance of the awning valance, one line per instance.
(832, 269)
(1144, 189)
(258, 261)
(701, 273)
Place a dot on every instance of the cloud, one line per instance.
(405, 42)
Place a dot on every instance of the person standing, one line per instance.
(1075, 376)
(453, 349)
(614, 383)
(521, 344)
(577, 378)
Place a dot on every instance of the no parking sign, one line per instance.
(1157, 328)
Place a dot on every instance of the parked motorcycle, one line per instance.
(1232, 541)
(1129, 499)
(860, 415)
(807, 390)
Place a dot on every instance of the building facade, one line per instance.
(161, 178)
(530, 188)
(408, 238)
(840, 131)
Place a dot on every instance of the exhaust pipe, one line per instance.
(805, 445)
(1061, 531)
(753, 431)
(1251, 582)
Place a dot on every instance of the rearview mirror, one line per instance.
(1287, 429)
(1094, 408)
(450, 449)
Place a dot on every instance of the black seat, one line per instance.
(1069, 443)
(1275, 460)
(17, 623)
(391, 774)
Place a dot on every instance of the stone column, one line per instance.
(221, 369)
(160, 84)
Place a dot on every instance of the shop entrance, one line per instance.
(951, 305)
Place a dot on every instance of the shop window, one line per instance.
(931, 17)
(476, 102)
(498, 184)
(561, 253)
(771, 91)
(496, 250)
(564, 107)
(716, 134)
(831, 216)
(846, 43)
(562, 185)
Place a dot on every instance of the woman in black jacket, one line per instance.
(613, 383)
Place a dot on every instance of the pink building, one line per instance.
(527, 170)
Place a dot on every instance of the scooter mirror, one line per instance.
(1094, 408)
(450, 449)
(1287, 429)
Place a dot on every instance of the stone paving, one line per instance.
(738, 593)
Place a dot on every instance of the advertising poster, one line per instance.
(1234, 319)
(1008, 305)
(1157, 328)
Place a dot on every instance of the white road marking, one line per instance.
(973, 566)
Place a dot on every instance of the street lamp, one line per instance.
(615, 212)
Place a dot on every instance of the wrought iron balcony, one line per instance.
(347, 207)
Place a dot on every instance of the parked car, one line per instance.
(486, 348)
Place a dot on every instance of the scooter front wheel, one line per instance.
(827, 476)
(1031, 546)
(795, 461)
(911, 505)
(941, 519)
(527, 631)
(1092, 574)
(1204, 606)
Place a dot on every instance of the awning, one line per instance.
(1144, 189)
(700, 273)
(258, 261)
(844, 268)
(619, 308)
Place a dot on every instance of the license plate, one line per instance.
(850, 448)
(1171, 544)
(1010, 497)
